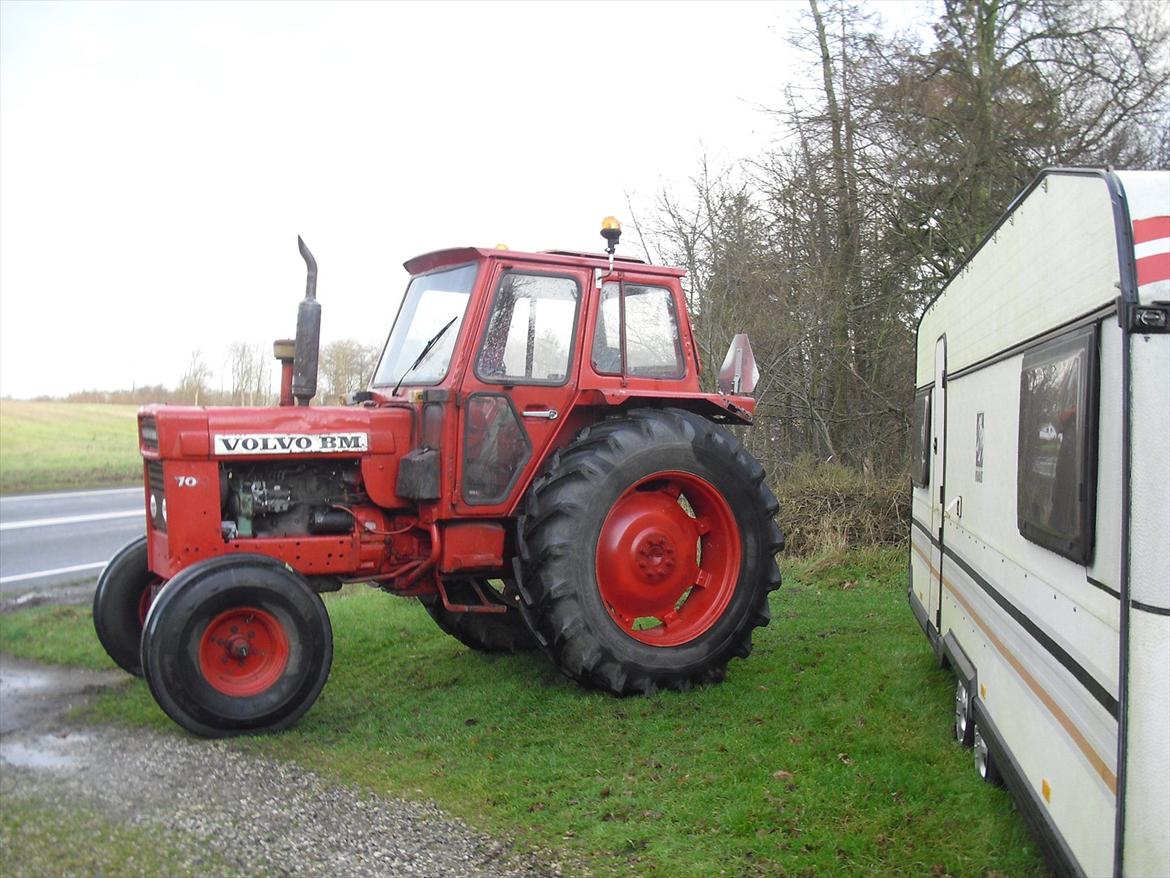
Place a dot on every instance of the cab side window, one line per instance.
(652, 346)
(529, 338)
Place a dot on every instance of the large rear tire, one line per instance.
(648, 548)
(483, 632)
(125, 590)
(235, 645)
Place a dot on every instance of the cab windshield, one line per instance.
(431, 302)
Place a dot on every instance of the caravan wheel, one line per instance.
(964, 724)
(984, 763)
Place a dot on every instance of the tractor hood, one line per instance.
(377, 437)
(196, 433)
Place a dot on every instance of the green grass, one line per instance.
(42, 837)
(826, 752)
(55, 635)
(49, 445)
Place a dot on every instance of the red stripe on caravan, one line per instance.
(1151, 229)
(1151, 269)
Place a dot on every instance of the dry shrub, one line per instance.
(827, 507)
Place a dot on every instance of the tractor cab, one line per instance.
(507, 355)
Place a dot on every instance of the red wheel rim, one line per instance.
(667, 572)
(243, 651)
(147, 598)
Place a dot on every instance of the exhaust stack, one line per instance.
(308, 341)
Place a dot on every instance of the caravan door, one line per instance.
(938, 459)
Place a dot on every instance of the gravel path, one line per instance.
(203, 797)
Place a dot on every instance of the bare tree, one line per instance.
(346, 365)
(899, 157)
(248, 366)
(193, 385)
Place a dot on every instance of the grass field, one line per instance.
(50, 445)
(827, 752)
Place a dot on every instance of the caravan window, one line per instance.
(1056, 476)
(920, 452)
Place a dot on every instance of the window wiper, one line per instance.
(423, 353)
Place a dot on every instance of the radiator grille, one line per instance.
(154, 478)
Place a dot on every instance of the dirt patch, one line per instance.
(204, 798)
(58, 595)
(35, 695)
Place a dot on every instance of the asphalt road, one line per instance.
(49, 540)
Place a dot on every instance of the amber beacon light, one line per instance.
(611, 230)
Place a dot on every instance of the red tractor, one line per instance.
(534, 460)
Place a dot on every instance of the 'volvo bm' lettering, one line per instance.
(290, 443)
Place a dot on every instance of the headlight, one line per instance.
(153, 506)
(164, 510)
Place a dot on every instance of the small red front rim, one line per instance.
(147, 598)
(243, 652)
(668, 558)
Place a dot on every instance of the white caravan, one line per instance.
(1040, 544)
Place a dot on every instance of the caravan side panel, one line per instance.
(1053, 259)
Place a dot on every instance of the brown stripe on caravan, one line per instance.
(934, 574)
(1047, 700)
(1099, 764)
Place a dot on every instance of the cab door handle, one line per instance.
(548, 414)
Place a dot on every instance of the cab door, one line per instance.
(520, 383)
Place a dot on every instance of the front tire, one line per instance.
(648, 551)
(125, 590)
(236, 644)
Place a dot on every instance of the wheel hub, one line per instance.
(655, 557)
(668, 558)
(243, 651)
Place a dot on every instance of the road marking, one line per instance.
(76, 568)
(72, 519)
(55, 496)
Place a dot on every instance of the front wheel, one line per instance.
(236, 644)
(125, 590)
(648, 551)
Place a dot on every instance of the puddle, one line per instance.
(22, 680)
(48, 751)
(31, 694)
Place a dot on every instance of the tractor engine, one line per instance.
(266, 499)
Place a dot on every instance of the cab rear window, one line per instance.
(652, 348)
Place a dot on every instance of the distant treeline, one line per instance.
(144, 395)
(344, 365)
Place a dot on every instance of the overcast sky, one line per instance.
(157, 160)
